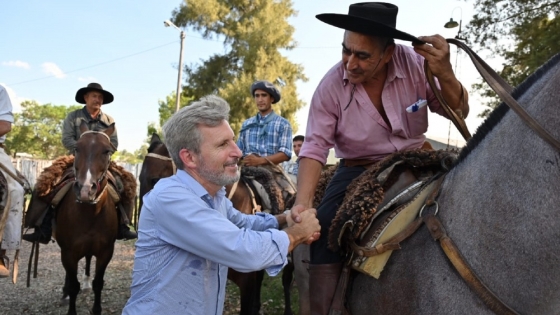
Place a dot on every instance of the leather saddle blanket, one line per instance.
(56, 179)
(376, 204)
(265, 188)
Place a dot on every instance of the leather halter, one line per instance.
(164, 158)
(500, 86)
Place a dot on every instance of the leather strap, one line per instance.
(456, 116)
(504, 90)
(464, 269)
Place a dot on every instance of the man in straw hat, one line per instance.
(39, 214)
(360, 109)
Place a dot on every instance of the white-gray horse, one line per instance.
(501, 206)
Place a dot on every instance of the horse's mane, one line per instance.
(496, 115)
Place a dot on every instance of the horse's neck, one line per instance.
(500, 203)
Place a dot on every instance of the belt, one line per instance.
(357, 162)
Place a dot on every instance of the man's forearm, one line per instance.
(308, 177)
(455, 95)
(277, 158)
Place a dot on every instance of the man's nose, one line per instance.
(351, 62)
(236, 151)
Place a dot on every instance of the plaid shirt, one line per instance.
(265, 135)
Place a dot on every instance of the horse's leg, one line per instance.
(245, 282)
(87, 278)
(72, 285)
(287, 277)
(101, 263)
(259, 276)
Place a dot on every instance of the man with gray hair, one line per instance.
(190, 228)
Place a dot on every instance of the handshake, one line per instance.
(303, 226)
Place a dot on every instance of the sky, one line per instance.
(50, 49)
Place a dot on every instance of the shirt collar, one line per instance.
(198, 189)
(260, 117)
(84, 109)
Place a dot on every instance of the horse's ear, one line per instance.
(109, 131)
(155, 138)
(83, 127)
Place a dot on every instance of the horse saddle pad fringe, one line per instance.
(381, 203)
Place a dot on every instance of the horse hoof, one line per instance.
(64, 301)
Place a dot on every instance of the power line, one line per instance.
(96, 65)
(144, 51)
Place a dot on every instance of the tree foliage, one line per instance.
(254, 32)
(525, 33)
(167, 108)
(37, 130)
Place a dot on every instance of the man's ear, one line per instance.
(189, 159)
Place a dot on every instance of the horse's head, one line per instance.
(92, 157)
(157, 165)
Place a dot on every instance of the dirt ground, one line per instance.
(44, 294)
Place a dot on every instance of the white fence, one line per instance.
(31, 168)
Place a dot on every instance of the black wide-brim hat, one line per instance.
(370, 18)
(107, 96)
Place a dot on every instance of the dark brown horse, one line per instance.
(86, 220)
(157, 164)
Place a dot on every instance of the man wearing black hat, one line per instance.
(93, 96)
(364, 108)
(39, 214)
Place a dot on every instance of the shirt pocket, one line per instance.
(417, 122)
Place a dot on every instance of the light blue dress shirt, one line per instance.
(186, 242)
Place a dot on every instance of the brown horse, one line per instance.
(86, 220)
(157, 164)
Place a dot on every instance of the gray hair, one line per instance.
(181, 131)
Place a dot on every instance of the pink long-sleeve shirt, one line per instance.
(359, 131)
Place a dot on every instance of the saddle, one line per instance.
(380, 210)
(266, 190)
(381, 203)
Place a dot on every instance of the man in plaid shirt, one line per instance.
(266, 139)
(266, 134)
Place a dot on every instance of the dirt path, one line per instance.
(43, 295)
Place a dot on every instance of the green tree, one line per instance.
(254, 33)
(525, 33)
(167, 108)
(37, 130)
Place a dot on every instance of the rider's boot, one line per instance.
(4, 272)
(124, 230)
(42, 233)
(125, 233)
(323, 280)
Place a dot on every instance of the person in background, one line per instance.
(189, 231)
(291, 167)
(11, 213)
(93, 96)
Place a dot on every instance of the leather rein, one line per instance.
(499, 85)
